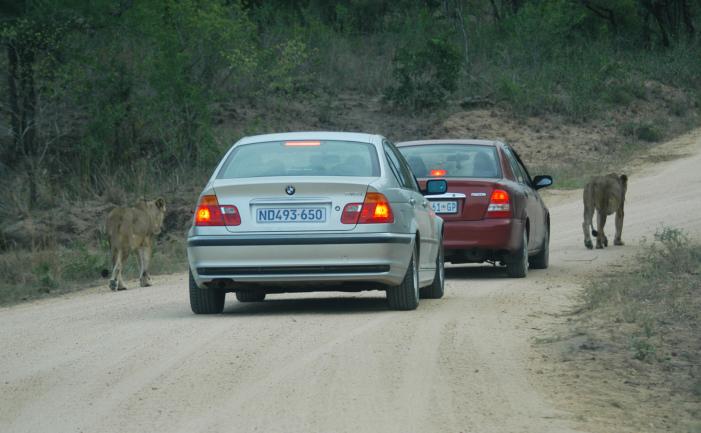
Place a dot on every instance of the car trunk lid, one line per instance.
(471, 198)
(277, 204)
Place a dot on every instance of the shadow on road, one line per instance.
(475, 272)
(308, 305)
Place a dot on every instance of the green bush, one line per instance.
(425, 75)
(81, 264)
(645, 131)
(643, 350)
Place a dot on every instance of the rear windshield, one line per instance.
(452, 160)
(302, 158)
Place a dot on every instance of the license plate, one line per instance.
(445, 206)
(291, 215)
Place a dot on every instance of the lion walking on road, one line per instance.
(606, 195)
(132, 229)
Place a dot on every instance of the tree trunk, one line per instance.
(11, 155)
(29, 102)
(495, 11)
(647, 40)
(516, 5)
(688, 20)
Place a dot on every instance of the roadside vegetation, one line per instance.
(107, 101)
(661, 301)
(636, 338)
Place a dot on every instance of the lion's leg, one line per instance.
(619, 227)
(116, 267)
(145, 258)
(141, 265)
(123, 257)
(586, 225)
(600, 236)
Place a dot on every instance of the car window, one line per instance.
(401, 167)
(522, 167)
(452, 160)
(393, 165)
(515, 167)
(302, 158)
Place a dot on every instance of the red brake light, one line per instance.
(351, 212)
(499, 205)
(210, 213)
(438, 172)
(374, 209)
(302, 143)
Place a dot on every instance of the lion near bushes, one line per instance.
(133, 229)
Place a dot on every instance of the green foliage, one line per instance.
(425, 75)
(643, 350)
(82, 264)
(645, 131)
(287, 73)
(45, 276)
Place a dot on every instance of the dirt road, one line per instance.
(140, 361)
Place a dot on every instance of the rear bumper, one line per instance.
(311, 259)
(489, 234)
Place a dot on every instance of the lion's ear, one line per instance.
(624, 179)
(160, 203)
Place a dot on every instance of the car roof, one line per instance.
(313, 135)
(449, 141)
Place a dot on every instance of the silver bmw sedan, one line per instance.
(312, 211)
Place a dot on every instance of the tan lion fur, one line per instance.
(132, 229)
(606, 195)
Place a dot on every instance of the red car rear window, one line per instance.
(452, 160)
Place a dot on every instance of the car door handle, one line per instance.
(424, 204)
(412, 201)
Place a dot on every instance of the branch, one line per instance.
(602, 12)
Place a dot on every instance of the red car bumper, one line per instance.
(498, 234)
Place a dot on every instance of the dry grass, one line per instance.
(634, 345)
(61, 246)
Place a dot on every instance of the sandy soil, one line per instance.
(140, 361)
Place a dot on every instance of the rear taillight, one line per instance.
(499, 206)
(211, 213)
(374, 209)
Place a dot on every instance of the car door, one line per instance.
(422, 209)
(534, 204)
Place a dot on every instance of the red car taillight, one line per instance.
(499, 205)
(210, 213)
(373, 210)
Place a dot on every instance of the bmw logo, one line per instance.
(290, 190)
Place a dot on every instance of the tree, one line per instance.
(671, 16)
(29, 39)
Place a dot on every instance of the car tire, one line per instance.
(205, 301)
(542, 259)
(250, 296)
(405, 296)
(517, 265)
(437, 287)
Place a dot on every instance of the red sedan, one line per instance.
(492, 209)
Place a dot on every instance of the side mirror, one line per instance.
(542, 181)
(436, 186)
